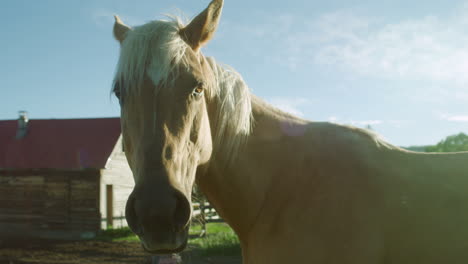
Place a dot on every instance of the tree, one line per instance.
(452, 143)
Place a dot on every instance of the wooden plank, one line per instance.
(110, 205)
(89, 203)
(25, 180)
(20, 211)
(20, 216)
(89, 221)
(55, 204)
(84, 217)
(51, 200)
(7, 189)
(23, 204)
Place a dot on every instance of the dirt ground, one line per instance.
(84, 252)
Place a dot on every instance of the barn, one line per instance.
(61, 178)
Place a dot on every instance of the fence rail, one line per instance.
(204, 213)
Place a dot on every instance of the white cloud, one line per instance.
(290, 105)
(398, 123)
(365, 122)
(429, 48)
(454, 118)
(334, 119)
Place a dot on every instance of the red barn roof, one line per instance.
(58, 143)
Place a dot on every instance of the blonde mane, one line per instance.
(234, 111)
(156, 49)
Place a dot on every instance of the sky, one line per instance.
(399, 66)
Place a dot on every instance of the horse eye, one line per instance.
(198, 90)
(117, 92)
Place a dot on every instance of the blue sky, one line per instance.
(400, 66)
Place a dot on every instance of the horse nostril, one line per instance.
(182, 211)
(146, 215)
(130, 215)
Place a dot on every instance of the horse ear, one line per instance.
(120, 29)
(203, 27)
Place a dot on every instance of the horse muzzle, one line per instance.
(160, 217)
(174, 243)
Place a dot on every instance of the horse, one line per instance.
(293, 190)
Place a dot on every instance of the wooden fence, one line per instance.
(49, 203)
(204, 213)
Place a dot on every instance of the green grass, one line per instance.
(118, 234)
(220, 239)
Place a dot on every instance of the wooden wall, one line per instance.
(49, 203)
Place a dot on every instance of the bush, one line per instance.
(452, 143)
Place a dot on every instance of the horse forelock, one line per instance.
(152, 50)
(156, 50)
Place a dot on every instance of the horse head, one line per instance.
(162, 83)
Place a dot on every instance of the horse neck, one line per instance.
(238, 188)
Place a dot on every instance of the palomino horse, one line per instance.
(294, 191)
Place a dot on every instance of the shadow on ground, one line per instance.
(84, 252)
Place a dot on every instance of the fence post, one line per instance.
(110, 205)
(203, 217)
